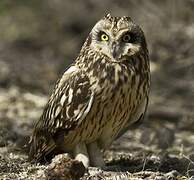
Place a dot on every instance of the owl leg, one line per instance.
(81, 154)
(96, 156)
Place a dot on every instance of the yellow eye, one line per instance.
(104, 37)
(126, 38)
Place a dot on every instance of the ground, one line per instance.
(38, 42)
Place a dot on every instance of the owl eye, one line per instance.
(104, 37)
(126, 38)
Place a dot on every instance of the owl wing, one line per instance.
(137, 117)
(67, 107)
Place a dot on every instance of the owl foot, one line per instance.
(96, 156)
(81, 154)
(89, 155)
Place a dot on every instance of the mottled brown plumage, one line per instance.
(101, 94)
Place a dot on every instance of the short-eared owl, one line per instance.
(98, 97)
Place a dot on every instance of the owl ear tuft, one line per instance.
(108, 16)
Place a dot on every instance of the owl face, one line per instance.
(117, 37)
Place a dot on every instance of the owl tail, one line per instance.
(40, 148)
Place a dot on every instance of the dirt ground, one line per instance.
(40, 39)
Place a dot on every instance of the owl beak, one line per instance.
(114, 49)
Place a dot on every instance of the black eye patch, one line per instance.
(129, 37)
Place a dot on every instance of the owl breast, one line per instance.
(118, 93)
(117, 103)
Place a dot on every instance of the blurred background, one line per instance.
(39, 39)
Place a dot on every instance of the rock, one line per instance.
(63, 167)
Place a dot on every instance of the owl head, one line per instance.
(117, 38)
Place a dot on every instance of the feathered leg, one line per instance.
(81, 154)
(96, 156)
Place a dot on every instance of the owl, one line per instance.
(103, 92)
